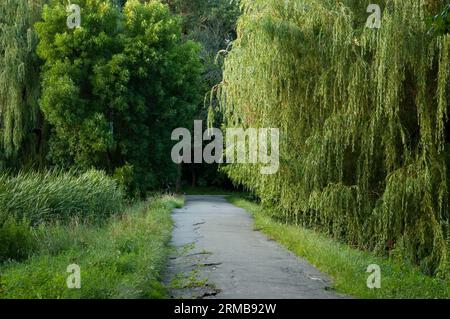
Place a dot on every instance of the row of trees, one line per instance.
(108, 94)
(363, 112)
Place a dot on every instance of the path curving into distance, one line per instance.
(220, 255)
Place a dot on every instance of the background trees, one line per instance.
(213, 25)
(106, 96)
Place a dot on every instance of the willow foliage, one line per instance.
(363, 116)
(19, 72)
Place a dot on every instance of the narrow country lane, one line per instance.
(220, 255)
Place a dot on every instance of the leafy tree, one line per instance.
(363, 118)
(19, 81)
(115, 88)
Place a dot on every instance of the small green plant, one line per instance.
(16, 238)
(189, 280)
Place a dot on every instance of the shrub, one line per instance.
(16, 238)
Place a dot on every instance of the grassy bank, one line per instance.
(347, 266)
(120, 258)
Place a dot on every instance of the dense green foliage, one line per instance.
(114, 88)
(363, 115)
(86, 116)
(16, 238)
(106, 96)
(440, 23)
(124, 258)
(19, 78)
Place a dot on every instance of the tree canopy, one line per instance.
(114, 88)
(363, 114)
(19, 77)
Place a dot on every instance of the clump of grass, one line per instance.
(122, 258)
(16, 238)
(57, 195)
(28, 200)
(346, 265)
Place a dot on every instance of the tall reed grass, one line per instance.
(59, 196)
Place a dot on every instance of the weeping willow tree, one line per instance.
(19, 74)
(363, 118)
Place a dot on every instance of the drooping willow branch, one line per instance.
(363, 113)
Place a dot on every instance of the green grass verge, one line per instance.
(124, 258)
(347, 266)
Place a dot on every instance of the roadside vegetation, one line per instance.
(346, 265)
(122, 257)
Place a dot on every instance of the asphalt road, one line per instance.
(220, 255)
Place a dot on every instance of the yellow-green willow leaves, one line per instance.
(363, 115)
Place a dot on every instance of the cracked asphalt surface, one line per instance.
(220, 255)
